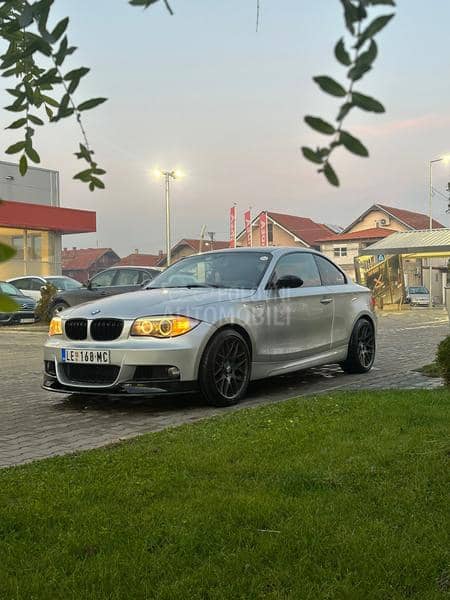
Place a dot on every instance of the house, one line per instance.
(343, 248)
(287, 230)
(138, 259)
(372, 226)
(189, 246)
(398, 219)
(83, 263)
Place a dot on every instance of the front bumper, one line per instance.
(138, 365)
(17, 317)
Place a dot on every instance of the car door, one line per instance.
(343, 294)
(299, 319)
(25, 285)
(102, 284)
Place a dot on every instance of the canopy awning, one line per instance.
(24, 215)
(426, 242)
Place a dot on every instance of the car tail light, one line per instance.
(373, 303)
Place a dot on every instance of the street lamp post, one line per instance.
(168, 175)
(430, 268)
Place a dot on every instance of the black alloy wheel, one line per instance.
(225, 369)
(361, 348)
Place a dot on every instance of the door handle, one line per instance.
(326, 300)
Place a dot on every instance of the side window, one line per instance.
(36, 284)
(22, 284)
(300, 264)
(104, 279)
(329, 274)
(127, 277)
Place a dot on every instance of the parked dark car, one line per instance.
(112, 281)
(25, 306)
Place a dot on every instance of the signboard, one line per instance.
(263, 229)
(248, 227)
(380, 257)
(233, 227)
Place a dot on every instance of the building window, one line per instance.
(34, 246)
(270, 233)
(340, 250)
(17, 242)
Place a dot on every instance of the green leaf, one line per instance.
(341, 53)
(49, 112)
(32, 154)
(23, 165)
(367, 103)
(351, 15)
(344, 110)
(320, 125)
(358, 71)
(6, 252)
(330, 174)
(49, 100)
(373, 28)
(84, 175)
(330, 86)
(91, 103)
(35, 120)
(59, 29)
(311, 155)
(7, 304)
(14, 148)
(17, 124)
(98, 183)
(367, 58)
(76, 73)
(353, 144)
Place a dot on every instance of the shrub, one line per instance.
(443, 359)
(48, 292)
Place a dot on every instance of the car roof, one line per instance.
(139, 268)
(267, 249)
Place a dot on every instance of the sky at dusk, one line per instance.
(204, 92)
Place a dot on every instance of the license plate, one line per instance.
(91, 357)
(27, 320)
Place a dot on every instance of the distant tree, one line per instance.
(44, 91)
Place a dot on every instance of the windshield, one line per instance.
(64, 284)
(9, 290)
(222, 269)
(418, 290)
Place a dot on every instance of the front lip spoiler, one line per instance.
(132, 389)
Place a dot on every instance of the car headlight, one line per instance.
(163, 327)
(55, 326)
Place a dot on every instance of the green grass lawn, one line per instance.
(344, 496)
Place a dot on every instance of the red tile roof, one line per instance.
(364, 234)
(306, 229)
(80, 259)
(140, 260)
(206, 244)
(414, 220)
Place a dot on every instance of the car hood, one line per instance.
(180, 301)
(23, 300)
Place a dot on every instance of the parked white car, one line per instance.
(31, 284)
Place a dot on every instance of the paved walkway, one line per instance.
(37, 424)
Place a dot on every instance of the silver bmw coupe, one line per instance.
(214, 322)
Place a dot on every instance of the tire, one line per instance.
(361, 348)
(224, 371)
(57, 308)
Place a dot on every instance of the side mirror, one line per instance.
(88, 284)
(288, 281)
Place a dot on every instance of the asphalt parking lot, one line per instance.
(36, 424)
